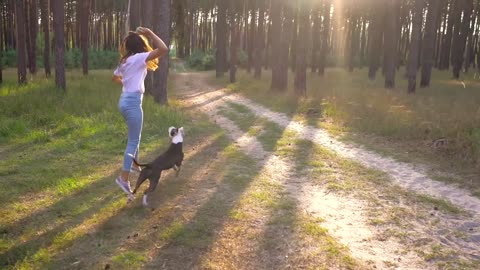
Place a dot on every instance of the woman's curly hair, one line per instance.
(135, 43)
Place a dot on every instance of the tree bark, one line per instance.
(32, 35)
(414, 50)
(303, 37)
(460, 39)
(221, 53)
(21, 41)
(316, 27)
(163, 25)
(45, 13)
(375, 31)
(233, 42)
(85, 10)
(251, 35)
(134, 14)
(363, 42)
(391, 40)
(433, 12)
(59, 35)
(469, 57)
(325, 37)
(447, 41)
(260, 40)
(276, 39)
(180, 27)
(285, 46)
(293, 43)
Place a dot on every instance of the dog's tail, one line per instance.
(136, 163)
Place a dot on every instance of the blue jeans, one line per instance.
(130, 105)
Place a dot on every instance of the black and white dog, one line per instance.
(172, 158)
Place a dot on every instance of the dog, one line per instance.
(172, 158)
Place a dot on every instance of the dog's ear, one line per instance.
(172, 131)
(181, 131)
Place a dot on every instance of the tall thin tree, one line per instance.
(21, 42)
(414, 50)
(32, 35)
(391, 41)
(460, 36)
(276, 38)
(85, 15)
(428, 46)
(375, 37)
(303, 37)
(260, 40)
(233, 41)
(289, 7)
(58, 8)
(163, 25)
(45, 14)
(221, 46)
(325, 37)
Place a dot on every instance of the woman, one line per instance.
(136, 58)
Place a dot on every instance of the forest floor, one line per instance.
(258, 190)
(387, 213)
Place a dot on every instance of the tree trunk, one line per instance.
(363, 42)
(1, 46)
(45, 10)
(434, 7)
(303, 37)
(391, 40)
(268, 48)
(59, 35)
(260, 40)
(21, 41)
(221, 53)
(276, 47)
(460, 39)
(32, 30)
(251, 35)
(316, 27)
(469, 57)
(134, 14)
(353, 43)
(233, 42)
(78, 19)
(293, 43)
(163, 24)
(180, 27)
(147, 21)
(414, 50)
(375, 30)
(85, 10)
(285, 46)
(325, 37)
(447, 41)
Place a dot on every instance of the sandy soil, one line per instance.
(346, 217)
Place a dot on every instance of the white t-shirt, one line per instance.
(133, 73)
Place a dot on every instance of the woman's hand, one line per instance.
(144, 31)
(160, 47)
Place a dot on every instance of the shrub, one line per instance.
(202, 60)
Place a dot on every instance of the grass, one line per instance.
(391, 122)
(387, 208)
(61, 151)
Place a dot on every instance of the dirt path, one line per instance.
(346, 217)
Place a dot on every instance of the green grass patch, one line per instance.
(346, 103)
(128, 260)
(438, 204)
